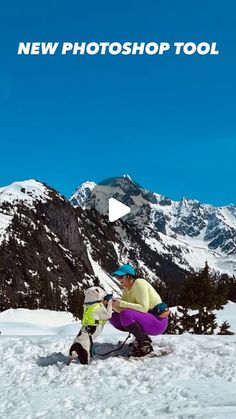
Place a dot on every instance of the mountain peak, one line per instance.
(126, 176)
(82, 194)
(28, 191)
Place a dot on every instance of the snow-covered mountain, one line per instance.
(82, 194)
(43, 255)
(188, 231)
(49, 247)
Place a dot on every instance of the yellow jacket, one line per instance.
(141, 296)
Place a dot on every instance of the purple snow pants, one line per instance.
(151, 325)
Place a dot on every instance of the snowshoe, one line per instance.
(135, 342)
(141, 349)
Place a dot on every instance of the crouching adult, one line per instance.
(140, 310)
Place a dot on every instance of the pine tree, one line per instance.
(75, 303)
(174, 326)
(5, 286)
(32, 299)
(186, 320)
(232, 289)
(58, 299)
(201, 292)
(169, 293)
(205, 322)
(224, 329)
(46, 294)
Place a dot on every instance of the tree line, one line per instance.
(196, 299)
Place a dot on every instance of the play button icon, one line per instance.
(117, 197)
(117, 209)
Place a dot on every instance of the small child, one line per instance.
(97, 310)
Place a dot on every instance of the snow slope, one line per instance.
(197, 380)
(28, 192)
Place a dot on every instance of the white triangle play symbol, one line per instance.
(117, 209)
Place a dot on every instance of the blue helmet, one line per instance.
(125, 270)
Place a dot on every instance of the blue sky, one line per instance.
(168, 121)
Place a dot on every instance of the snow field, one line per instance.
(196, 380)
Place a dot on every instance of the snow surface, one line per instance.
(196, 380)
(109, 283)
(5, 221)
(228, 216)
